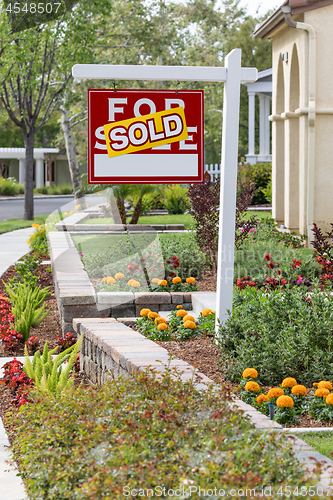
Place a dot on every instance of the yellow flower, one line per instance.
(158, 321)
(315, 384)
(162, 326)
(260, 399)
(130, 282)
(35, 225)
(179, 307)
(176, 280)
(205, 312)
(28, 242)
(110, 280)
(190, 324)
(190, 280)
(252, 386)
(322, 393)
(285, 402)
(250, 372)
(155, 280)
(119, 276)
(275, 392)
(289, 382)
(135, 284)
(188, 317)
(324, 384)
(32, 235)
(181, 313)
(329, 399)
(299, 390)
(78, 206)
(144, 312)
(153, 315)
(104, 279)
(162, 283)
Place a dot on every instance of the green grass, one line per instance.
(13, 224)
(259, 215)
(320, 441)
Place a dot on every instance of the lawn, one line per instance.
(320, 441)
(13, 224)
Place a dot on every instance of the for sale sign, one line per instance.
(145, 136)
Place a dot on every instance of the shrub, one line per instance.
(192, 259)
(61, 189)
(260, 174)
(282, 334)
(143, 432)
(10, 187)
(176, 199)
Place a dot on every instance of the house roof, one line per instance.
(267, 27)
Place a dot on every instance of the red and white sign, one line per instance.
(179, 161)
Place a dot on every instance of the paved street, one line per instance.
(13, 208)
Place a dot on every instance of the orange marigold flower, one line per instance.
(135, 284)
(285, 402)
(205, 312)
(252, 386)
(188, 317)
(144, 312)
(179, 307)
(299, 390)
(110, 280)
(315, 384)
(162, 326)
(119, 276)
(329, 399)
(190, 280)
(155, 280)
(153, 315)
(158, 321)
(181, 313)
(176, 280)
(324, 384)
(250, 372)
(162, 283)
(130, 282)
(322, 392)
(260, 399)
(289, 382)
(275, 392)
(104, 279)
(190, 324)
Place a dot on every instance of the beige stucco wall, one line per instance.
(292, 205)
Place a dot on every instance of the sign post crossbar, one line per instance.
(232, 75)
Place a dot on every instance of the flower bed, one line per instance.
(290, 401)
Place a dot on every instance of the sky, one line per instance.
(263, 5)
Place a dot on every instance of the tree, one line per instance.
(35, 69)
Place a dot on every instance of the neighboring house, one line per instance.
(302, 113)
(50, 166)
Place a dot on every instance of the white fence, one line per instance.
(214, 171)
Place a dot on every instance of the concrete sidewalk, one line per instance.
(13, 245)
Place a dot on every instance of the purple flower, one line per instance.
(81, 254)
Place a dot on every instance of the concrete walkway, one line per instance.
(13, 245)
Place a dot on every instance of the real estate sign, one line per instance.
(145, 136)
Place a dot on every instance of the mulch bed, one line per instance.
(200, 352)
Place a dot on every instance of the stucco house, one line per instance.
(302, 113)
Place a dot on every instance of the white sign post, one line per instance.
(232, 75)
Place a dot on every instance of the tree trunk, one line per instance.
(121, 208)
(137, 212)
(71, 154)
(29, 140)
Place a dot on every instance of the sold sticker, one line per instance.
(145, 132)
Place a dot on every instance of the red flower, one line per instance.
(279, 272)
(270, 265)
(268, 257)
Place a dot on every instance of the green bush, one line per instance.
(192, 259)
(279, 333)
(140, 433)
(260, 173)
(41, 190)
(61, 189)
(10, 187)
(176, 199)
(38, 240)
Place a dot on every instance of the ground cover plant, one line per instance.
(280, 332)
(144, 432)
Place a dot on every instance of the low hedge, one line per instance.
(139, 433)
